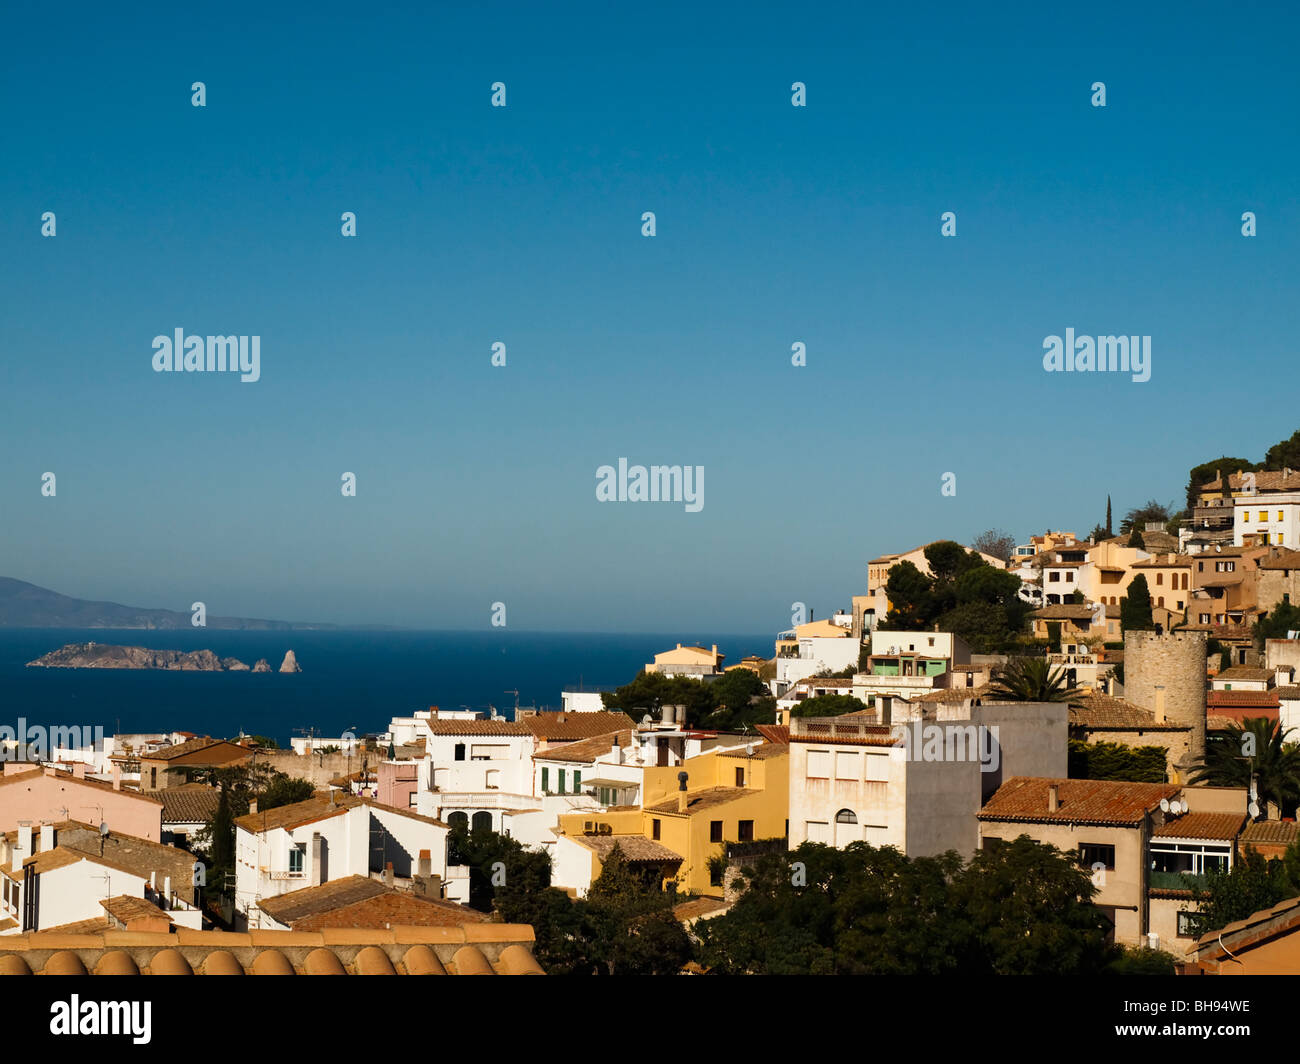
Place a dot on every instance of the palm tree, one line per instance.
(1257, 747)
(1032, 680)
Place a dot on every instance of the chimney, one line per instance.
(316, 844)
(167, 889)
(1053, 797)
(117, 776)
(682, 777)
(252, 805)
(388, 875)
(153, 881)
(426, 863)
(715, 650)
(47, 837)
(79, 770)
(23, 847)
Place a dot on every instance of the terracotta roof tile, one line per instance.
(1104, 712)
(574, 726)
(634, 848)
(700, 800)
(392, 909)
(1270, 833)
(188, 804)
(1025, 798)
(1201, 826)
(586, 750)
(1241, 698)
(476, 727)
(774, 733)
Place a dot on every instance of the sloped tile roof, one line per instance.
(700, 800)
(586, 750)
(1270, 833)
(1223, 826)
(476, 727)
(634, 848)
(774, 733)
(392, 909)
(127, 907)
(1104, 712)
(311, 901)
(191, 804)
(1102, 802)
(575, 726)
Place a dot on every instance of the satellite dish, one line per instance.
(1164, 805)
(1253, 809)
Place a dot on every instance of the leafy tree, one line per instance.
(1019, 909)
(741, 700)
(1098, 533)
(1135, 607)
(1252, 884)
(996, 543)
(827, 706)
(1275, 625)
(1135, 540)
(1114, 761)
(1258, 748)
(1137, 517)
(911, 600)
(1284, 455)
(1205, 472)
(1054, 633)
(983, 625)
(1175, 522)
(285, 790)
(630, 924)
(1142, 961)
(650, 691)
(1032, 680)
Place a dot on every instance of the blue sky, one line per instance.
(522, 224)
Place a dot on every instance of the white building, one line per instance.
(323, 839)
(807, 649)
(1266, 520)
(917, 784)
(62, 873)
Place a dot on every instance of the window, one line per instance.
(715, 876)
(460, 752)
(990, 843)
(715, 830)
(561, 781)
(1186, 929)
(1245, 515)
(848, 765)
(740, 776)
(1069, 577)
(1160, 579)
(546, 780)
(1200, 567)
(153, 778)
(846, 816)
(654, 829)
(746, 832)
(1053, 577)
(1203, 618)
(1279, 515)
(1091, 853)
(411, 803)
(877, 768)
(295, 860)
(819, 764)
(932, 637)
(577, 782)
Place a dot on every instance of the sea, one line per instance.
(350, 680)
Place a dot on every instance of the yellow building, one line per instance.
(732, 796)
(688, 661)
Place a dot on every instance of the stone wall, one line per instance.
(1174, 661)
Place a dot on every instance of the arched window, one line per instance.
(846, 816)
(482, 822)
(458, 819)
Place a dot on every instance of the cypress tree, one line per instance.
(1135, 607)
(1108, 530)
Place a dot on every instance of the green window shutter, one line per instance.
(546, 782)
(577, 782)
(561, 781)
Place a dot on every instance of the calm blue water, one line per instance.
(349, 679)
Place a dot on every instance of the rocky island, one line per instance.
(107, 656)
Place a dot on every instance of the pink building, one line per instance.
(398, 782)
(45, 795)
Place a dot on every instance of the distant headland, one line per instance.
(24, 605)
(107, 656)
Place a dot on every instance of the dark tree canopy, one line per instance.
(1135, 607)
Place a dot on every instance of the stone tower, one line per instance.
(1165, 673)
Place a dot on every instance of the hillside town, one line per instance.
(1111, 716)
